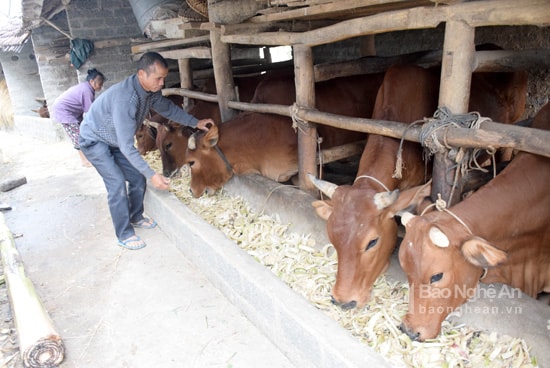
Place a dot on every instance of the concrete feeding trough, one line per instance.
(300, 330)
(307, 336)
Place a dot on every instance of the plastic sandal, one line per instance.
(145, 223)
(133, 243)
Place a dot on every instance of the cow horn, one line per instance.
(406, 217)
(151, 123)
(192, 143)
(384, 199)
(326, 187)
(438, 238)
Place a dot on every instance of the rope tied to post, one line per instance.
(297, 122)
(464, 159)
(300, 124)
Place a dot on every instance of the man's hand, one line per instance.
(160, 182)
(205, 124)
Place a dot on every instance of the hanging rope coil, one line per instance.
(443, 119)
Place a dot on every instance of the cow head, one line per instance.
(146, 137)
(172, 143)
(443, 263)
(361, 227)
(209, 171)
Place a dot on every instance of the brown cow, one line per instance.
(172, 139)
(500, 234)
(267, 144)
(359, 217)
(147, 133)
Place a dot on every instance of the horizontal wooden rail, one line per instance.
(490, 135)
(190, 94)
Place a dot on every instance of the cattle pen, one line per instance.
(458, 59)
(224, 40)
(305, 26)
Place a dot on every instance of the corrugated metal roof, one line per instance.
(19, 17)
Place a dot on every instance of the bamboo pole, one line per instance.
(39, 344)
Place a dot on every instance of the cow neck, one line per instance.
(224, 158)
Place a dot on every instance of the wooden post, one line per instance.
(223, 74)
(456, 76)
(307, 132)
(186, 78)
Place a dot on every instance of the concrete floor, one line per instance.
(114, 307)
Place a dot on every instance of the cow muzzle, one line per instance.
(345, 306)
(414, 336)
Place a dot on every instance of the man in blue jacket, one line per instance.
(107, 140)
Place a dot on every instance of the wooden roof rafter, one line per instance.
(340, 10)
(475, 14)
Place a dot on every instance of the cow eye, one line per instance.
(191, 163)
(168, 146)
(371, 244)
(436, 277)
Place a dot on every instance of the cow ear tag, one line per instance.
(438, 238)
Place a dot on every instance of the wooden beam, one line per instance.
(508, 61)
(475, 14)
(191, 94)
(340, 152)
(490, 134)
(114, 42)
(337, 9)
(287, 26)
(192, 52)
(169, 43)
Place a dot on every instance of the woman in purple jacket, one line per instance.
(69, 108)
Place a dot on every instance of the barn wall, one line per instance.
(92, 20)
(100, 20)
(411, 41)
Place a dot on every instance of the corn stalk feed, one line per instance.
(311, 271)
